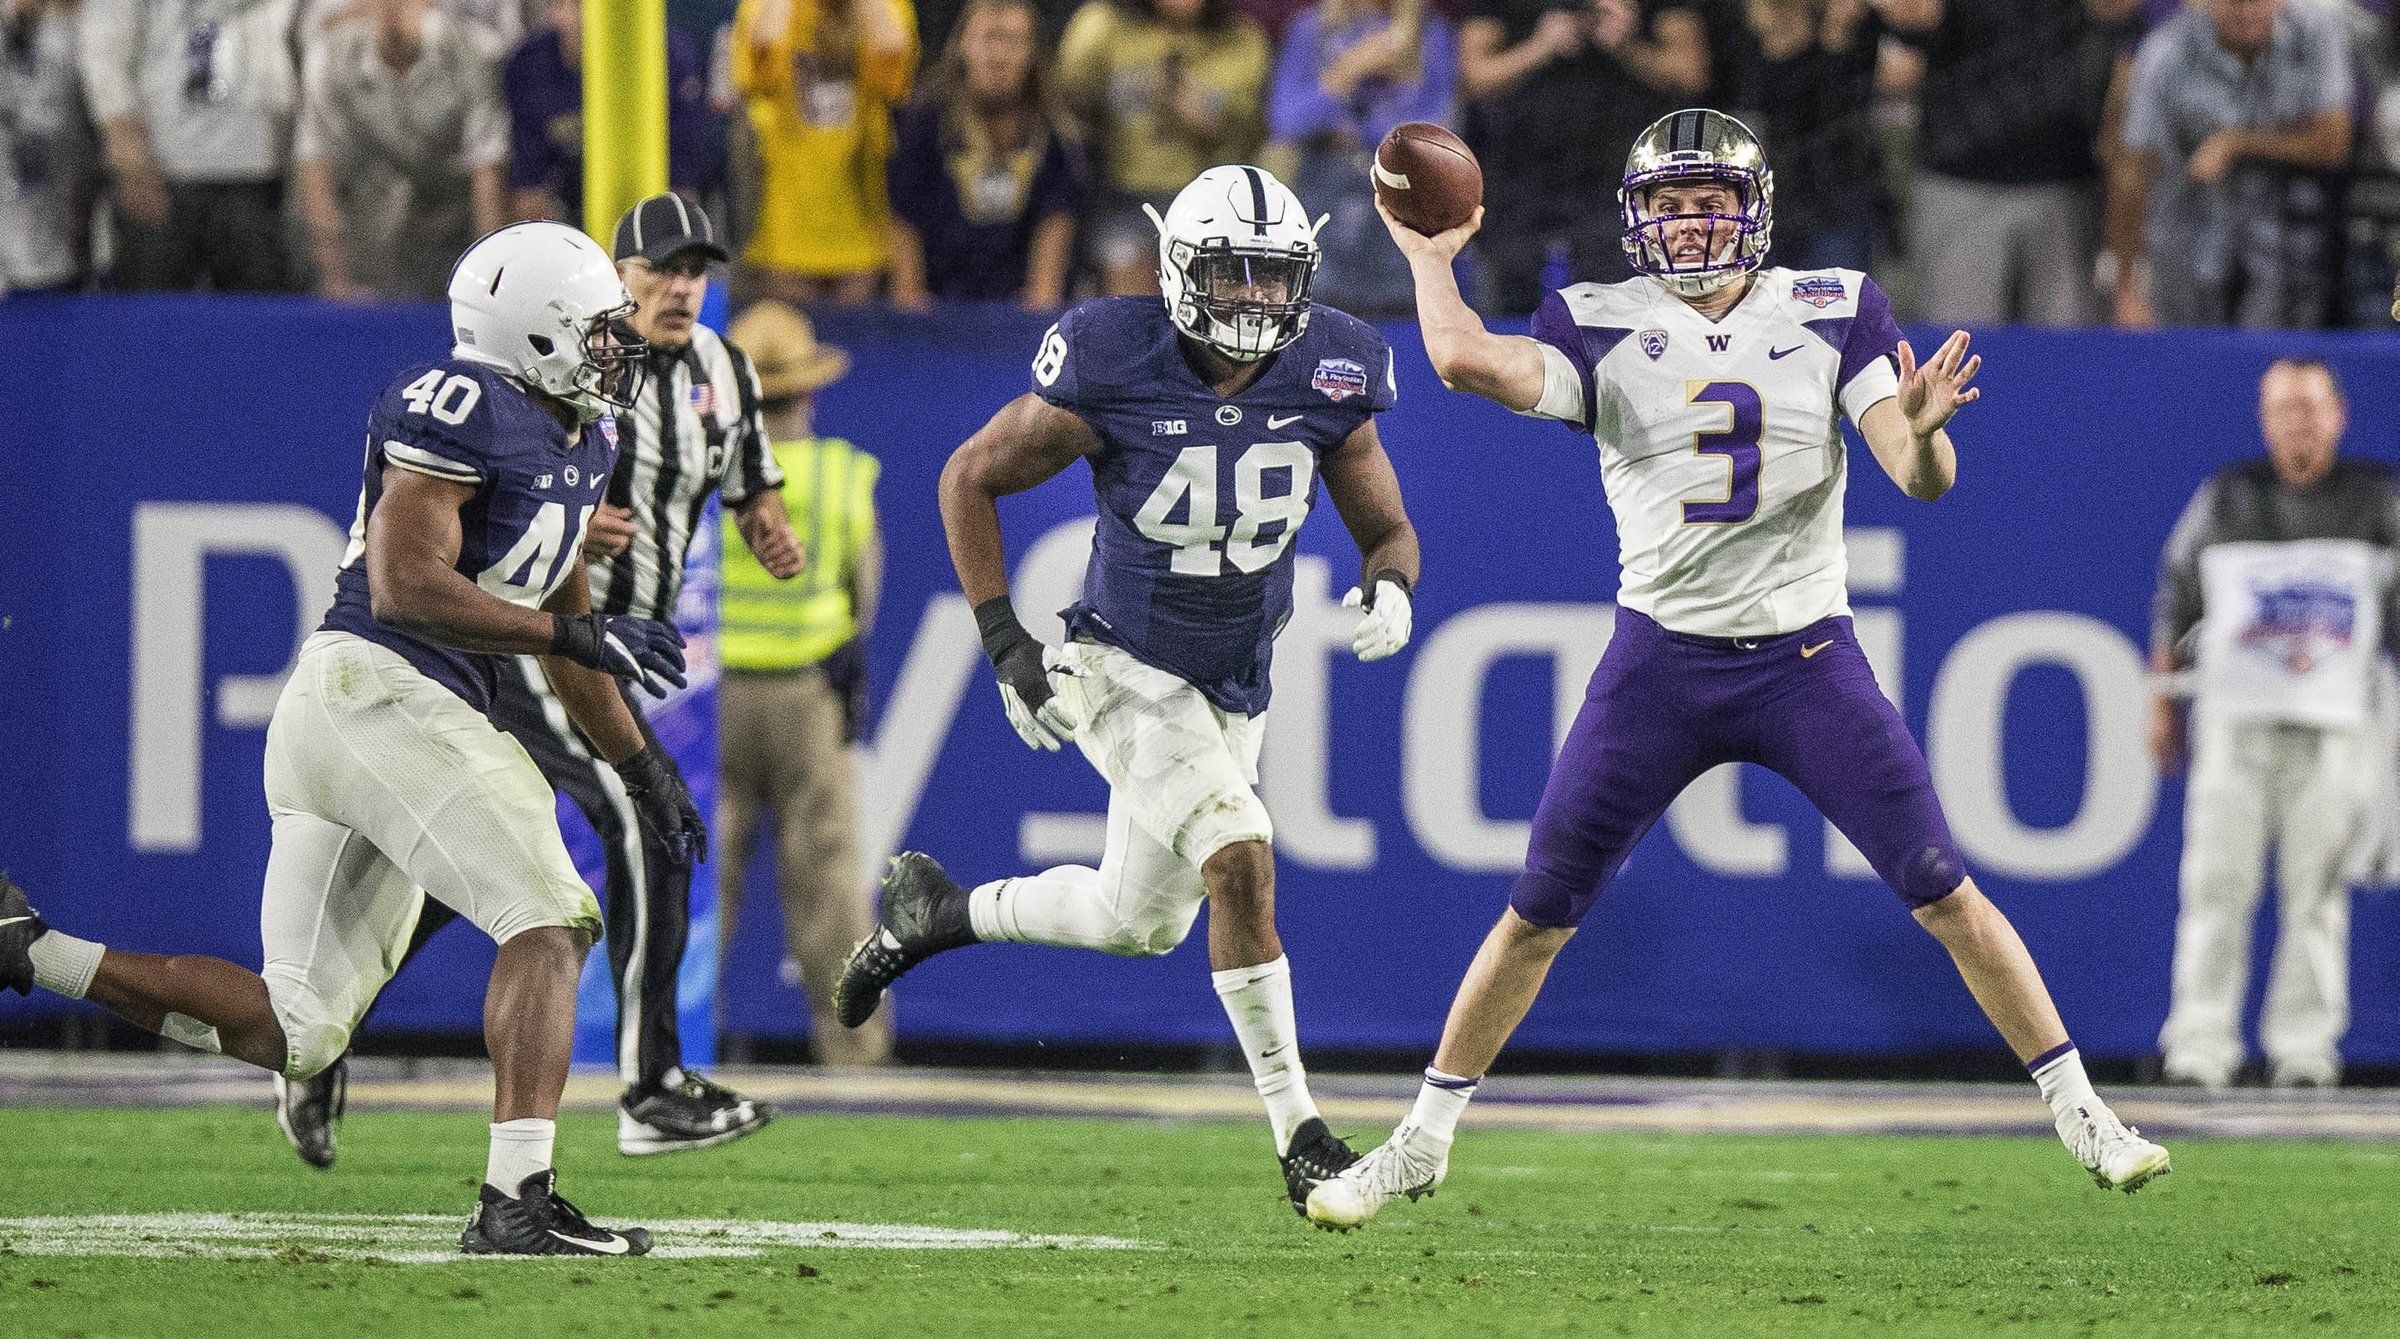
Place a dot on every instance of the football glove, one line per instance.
(663, 805)
(643, 650)
(1041, 717)
(1384, 619)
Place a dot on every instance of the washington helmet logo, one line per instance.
(1819, 290)
(1654, 343)
(1339, 378)
(2301, 622)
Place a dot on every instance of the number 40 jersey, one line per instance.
(1200, 495)
(536, 484)
(1721, 441)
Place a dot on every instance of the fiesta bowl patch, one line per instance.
(1819, 290)
(1339, 378)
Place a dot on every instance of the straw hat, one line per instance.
(783, 348)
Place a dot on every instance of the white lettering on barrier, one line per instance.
(1964, 732)
(172, 543)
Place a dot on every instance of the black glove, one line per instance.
(846, 674)
(664, 806)
(643, 650)
(1016, 654)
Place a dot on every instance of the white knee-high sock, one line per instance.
(1059, 906)
(520, 1148)
(63, 964)
(1259, 1001)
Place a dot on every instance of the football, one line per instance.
(1427, 177)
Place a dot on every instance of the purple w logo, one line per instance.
(1719, 343)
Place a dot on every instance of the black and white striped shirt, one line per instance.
(671, 454)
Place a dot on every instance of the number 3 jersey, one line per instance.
(536, 484)
(1720, 441)
(1200, 495)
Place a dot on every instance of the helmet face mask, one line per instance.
(1695, 149)
(613, 359)
(1236, 256)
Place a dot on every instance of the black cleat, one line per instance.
(310, 1112)
(539, 1222)
(19, 927)
(687, 1114)
(1316, 1154)
(924, 913)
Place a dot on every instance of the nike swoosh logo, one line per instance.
(1275, 424)
(1807, 651)
(612, 1246)
(1778, 353)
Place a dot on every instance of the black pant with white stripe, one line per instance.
(647, 902)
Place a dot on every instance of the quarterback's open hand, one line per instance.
(644, 650)
(1442, 246)
(1932, 393)
(1383, 622)
(663, 805)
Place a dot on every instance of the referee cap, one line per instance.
(666, 225)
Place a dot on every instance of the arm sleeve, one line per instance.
(1300, 106)
(1870, 369)
(753, 469)
(1569, 390)
(414, 441)
(2176, 609)
(109, 40)
(1383, 378)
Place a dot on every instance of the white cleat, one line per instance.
(1394, 1168)
(2113, 1152)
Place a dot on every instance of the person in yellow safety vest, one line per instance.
(795, 681)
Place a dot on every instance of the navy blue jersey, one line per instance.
(536, 484)
(1200, 494)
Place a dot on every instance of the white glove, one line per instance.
(1383, 625)
(1056, 720)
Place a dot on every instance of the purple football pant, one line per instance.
(1666, 706)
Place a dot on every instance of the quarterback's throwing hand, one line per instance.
(1384, 622)
(641, 649)
(1931, 394)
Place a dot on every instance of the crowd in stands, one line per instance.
(2058, 162)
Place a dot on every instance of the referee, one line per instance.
(694, 429)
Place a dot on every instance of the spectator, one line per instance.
(194, 101)
(1169, 89)
(795, 680)
(2278, 582)
(2217, 210)
(1351, 70)
(1558, 92)
(1806, 69)
(498, 25)
(820, 79)
(401, 157)
(987, 178)
(46, 198)
(543, 85)
(2006, 197)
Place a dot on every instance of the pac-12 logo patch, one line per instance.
(1339, 378)
(1654, 343)
(1819, 290)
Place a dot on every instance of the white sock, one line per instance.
(63, 964)
(1057, 906)
(520, 1148)
(1259, 1001)
(2059, 1071)
(1440, 1102)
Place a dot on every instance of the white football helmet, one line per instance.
(1235, 255)
(543, 302)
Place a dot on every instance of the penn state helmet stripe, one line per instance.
(1258, 200)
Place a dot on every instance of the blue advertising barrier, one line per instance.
(175, 476)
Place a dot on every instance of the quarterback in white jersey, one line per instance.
(1716, 390)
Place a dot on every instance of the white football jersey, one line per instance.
(1720, 441)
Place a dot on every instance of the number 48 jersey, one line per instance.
(1200, 495)
(536, 484)
(1721, 441)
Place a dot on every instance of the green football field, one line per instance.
(199, 1223)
